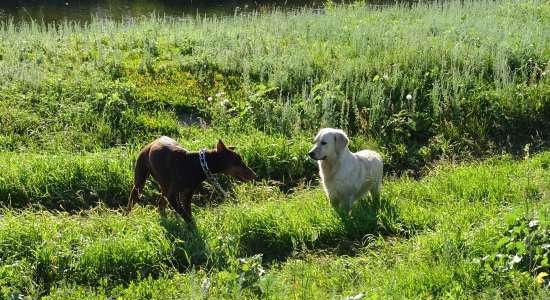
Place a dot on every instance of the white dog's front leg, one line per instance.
(334, 202)
(347, 204)
(375, 193)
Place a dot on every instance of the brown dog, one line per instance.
(179, 172)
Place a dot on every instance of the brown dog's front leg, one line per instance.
(187, 197)
(181, 202)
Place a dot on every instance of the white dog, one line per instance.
(346, 176)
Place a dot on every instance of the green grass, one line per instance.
(71, 181)
(462, 215)
(425, 238)
(477, 72)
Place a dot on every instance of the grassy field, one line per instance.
(459, 232)
(476, 73)
(456, 97)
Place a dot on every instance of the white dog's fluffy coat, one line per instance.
(346, 176)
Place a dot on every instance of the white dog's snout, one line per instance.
(312, 154)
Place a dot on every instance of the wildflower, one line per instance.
(516, 259)
(224, 103)
(409, 97)
(205, 285)
(356, 297)
(209, 99)
(533, 223)
(540, 277)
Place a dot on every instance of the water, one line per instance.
(84, 10)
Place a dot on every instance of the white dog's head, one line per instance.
(329, 143)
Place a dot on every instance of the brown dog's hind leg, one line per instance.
(162, 203)
(141, 172)
(134, 196)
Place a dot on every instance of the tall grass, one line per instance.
(420, 84)
(445, 221)
(69, 181)
(426, 82)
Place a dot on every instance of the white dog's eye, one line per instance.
(323, 143)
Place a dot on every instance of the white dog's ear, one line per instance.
(341, 140)
(316, 138)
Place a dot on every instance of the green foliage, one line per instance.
(72, 181)
(103, 248)
(523, 250)
(65, 181)
(421, 84)
(438, 226)
(425, 82)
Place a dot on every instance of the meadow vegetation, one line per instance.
(455, 95)
(476, 73)
(460, 232)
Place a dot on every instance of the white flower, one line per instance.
(516, 259)
(209, 98)
(533, 223)
(409, 97)
(205, 285)
(356, 297)
(224, 103)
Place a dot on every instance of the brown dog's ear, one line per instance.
(220, 146)
(341, 140)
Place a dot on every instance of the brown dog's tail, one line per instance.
(141, 172)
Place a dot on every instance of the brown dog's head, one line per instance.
(232, 164)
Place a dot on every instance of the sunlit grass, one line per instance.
(476, 74)
(450, 217)
(433, 87)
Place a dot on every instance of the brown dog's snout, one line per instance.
(242, 173)
(253, 175)
(247, 175)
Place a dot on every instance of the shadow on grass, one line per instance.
(369, 216)
(367, 219)
(276, 241)
(190, 248)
